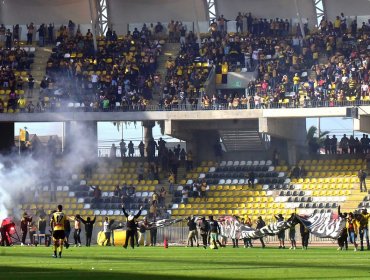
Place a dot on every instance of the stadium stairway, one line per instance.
(168, 49)
(38, 69)
(242, 140)
(354, 200)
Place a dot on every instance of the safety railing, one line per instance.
(201, 107)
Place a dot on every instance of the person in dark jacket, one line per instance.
(260, 224)
(343, 238)
(24, 226)
(131, 226)
(193, 234)
(305, 234)
(204, 230)
(89, 226)
(67, 232)
(153, 233)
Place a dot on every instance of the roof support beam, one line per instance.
(319, 9)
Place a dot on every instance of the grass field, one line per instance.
(182, 263)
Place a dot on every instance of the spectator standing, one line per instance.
(77, 230)
(362, 178)
(352, 227)
(189, 160)
(51, 33)
(344, 144)
(333, 145)
(153, 210)
(143, 227)
(203, 189)
(107, 231)
(41, 30)
(343, 238)
(204, 230)
(260, 224)
(281, 234)
(131, 227)
(153, 234)
(251, 179)
(162, 197)
(31, 84)
(185, 194)
(30, 30)
(89, 226)
(123, 149)
(327, 145)
(67, 232)
(364, 229)
(2, 34)
(113, 151)
(141, 149)
(24, 227)
(292, 237)
(305, 234)
(193, 234)
(214, 232)
(131, 149)
(8, 39)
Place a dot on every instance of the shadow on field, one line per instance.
(200, 265)
(28, 273)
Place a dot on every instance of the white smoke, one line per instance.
(20, 175)
(17, 177)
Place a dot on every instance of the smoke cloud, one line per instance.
(21, 175)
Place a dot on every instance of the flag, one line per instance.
(324, 225)
(22, 135)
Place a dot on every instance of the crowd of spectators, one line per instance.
(283, 59)
(121, 71)
(294, 66)
(14, 65)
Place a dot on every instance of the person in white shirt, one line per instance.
(185, 195)
(94, 80)
(107, 231)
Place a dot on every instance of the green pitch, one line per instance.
(182, 263)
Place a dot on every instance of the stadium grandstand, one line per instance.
(233, 81)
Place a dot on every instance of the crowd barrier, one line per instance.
(78, 107)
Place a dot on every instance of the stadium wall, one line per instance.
(124, 12)
(354, 8)
(267, 9)
(41, 11)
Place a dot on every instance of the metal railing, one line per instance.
(201, 107)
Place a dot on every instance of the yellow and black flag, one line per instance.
(23, 135)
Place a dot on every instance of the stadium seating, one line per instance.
(327, 184)
(229, 193)
(78, 197)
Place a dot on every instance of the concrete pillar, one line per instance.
(7, 137)
(202, 143)
(81, 136)
(362, 124)
(288, 136)
(148, 132)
